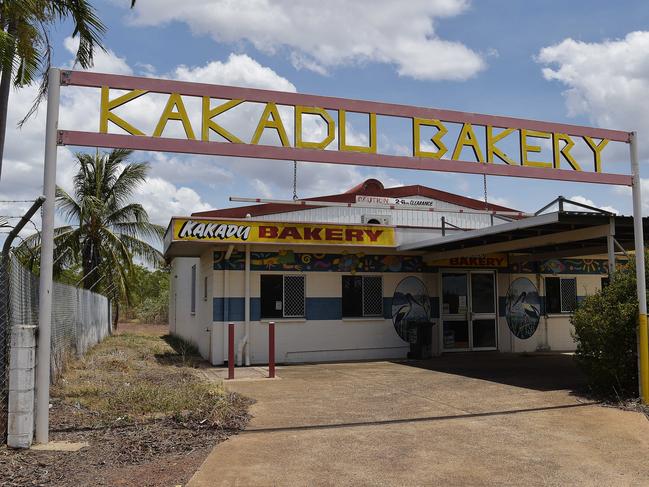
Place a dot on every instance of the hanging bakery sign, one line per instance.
(441, 140)
(245, 231)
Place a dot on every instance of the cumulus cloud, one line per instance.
(322, 35)
(586, 201)
(162, 199)
(606, 81)
(238, 70)
(625, 191)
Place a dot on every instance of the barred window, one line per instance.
(362, 296)
(282, 296)
(560, 295)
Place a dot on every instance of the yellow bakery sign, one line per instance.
(241, 231)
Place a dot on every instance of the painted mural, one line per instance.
(288, 260)
(410, 308)
(523, 308)
(562, 266)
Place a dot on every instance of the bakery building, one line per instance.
(387, 273)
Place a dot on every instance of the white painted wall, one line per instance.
(323, 340)
(193, 327)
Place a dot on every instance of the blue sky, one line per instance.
(482, 56)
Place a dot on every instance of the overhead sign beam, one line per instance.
(446, 156)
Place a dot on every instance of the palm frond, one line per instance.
(67, 204)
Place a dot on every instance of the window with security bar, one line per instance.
(283, 296)
(560, 295)
(362, 296)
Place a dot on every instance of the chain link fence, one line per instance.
(80, 319)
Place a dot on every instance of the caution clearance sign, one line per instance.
(239, 231)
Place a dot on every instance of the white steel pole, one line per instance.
(643, 336)
(47, 254)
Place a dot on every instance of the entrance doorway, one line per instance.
(469, 315)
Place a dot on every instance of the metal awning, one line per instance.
(551, 235)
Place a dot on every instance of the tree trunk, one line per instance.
(5, 85)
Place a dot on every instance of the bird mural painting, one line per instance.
(529, 310)
(523, 310)
(414, 310)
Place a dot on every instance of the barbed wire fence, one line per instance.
(80, 319)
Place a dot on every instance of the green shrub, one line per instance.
(606, 335)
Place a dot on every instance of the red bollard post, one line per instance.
(230, 350)
(271, 349)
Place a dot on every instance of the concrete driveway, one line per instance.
(460, 419)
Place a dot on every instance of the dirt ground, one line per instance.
(157, 446)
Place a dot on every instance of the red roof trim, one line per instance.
(368, 187)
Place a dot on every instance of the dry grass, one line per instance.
(135, 377)
(149, 417)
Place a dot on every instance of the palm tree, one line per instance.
(25, 48)
(105, 230)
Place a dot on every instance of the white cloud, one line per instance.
(625, 192)
(263, 189)
(321, 35)
(586, 201)
(162, 199)
(238, 70)
(607, 81)
(497, 200)
(104, 62)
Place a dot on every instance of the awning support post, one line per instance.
(643, 336)
(610, 246)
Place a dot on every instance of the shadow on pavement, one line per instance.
(413, 420)
(541, 372)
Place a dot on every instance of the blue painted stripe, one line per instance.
(316, 309)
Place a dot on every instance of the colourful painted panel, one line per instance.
(315, 262)
(287, 260)
(562, 266)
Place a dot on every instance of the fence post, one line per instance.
(230, 350)
(271, 349)
(20, 431)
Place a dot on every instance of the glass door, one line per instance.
(455, 311)
(468, 310)
(483, 310)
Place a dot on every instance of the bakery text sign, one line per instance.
(245, 231)
(442, 140)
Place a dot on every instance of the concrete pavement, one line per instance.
(463, 419)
